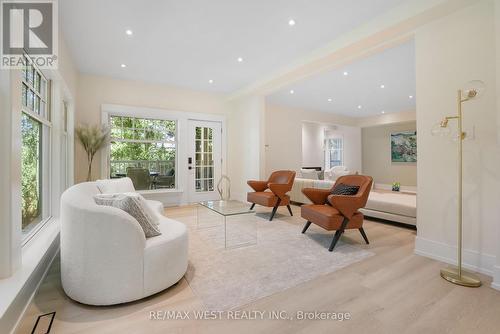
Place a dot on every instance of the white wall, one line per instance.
(245, 143)
(496, 273)
(313, 137)
(313, 144)
(283, 139)
(10, 165)
(450, 52)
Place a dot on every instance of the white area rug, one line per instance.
(282, 258)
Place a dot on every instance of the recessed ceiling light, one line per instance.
(240, 59)
(210, 81)
(292, 91)
(346, 73)
(359, 107)
(383, 112)
(129, 32)
(330, 100)
(291, 22)
(123, 65)
(411, 96)
(382, 86)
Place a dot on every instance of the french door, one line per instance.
(204, 160)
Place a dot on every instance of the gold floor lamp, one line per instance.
(472, 90)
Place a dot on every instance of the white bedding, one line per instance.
(393, 202)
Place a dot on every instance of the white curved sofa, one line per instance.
(105, 257)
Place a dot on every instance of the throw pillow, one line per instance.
(345, 189)
(146, 207)
(132, 206)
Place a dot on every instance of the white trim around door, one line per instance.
(204, 160)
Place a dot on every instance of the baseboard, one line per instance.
(496, 278)
(472, 260)
(12, 317)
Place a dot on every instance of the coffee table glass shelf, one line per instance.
(242, 230)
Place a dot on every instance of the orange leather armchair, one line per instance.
(337, 212)
(279, 183)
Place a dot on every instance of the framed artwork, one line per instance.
(404, 146)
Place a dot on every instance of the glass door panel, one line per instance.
(204, 163)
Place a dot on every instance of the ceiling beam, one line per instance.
(388, 30)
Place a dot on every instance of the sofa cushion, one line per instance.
(397, 203)
(115, 186)
(328, 217)
(131, 205)
(266, 198)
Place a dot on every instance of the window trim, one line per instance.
(46, 148)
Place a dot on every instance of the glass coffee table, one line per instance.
(245, 230)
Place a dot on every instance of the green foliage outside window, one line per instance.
(138, 142)
(30, 170)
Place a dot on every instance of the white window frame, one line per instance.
(328, 151)
(65, 145)
(46, 151)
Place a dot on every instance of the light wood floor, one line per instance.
(394, 291)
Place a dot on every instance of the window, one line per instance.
(35, 132)
(334, 152)
(144, 150)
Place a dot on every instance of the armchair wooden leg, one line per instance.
(275, 209)
(338, 233)
(290, 210)
(362, 231)
(253, 205)
(336, 238)
(306, 226)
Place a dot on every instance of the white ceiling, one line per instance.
(394, 68)
(188, 42)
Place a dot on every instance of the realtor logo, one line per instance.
(29, 28)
